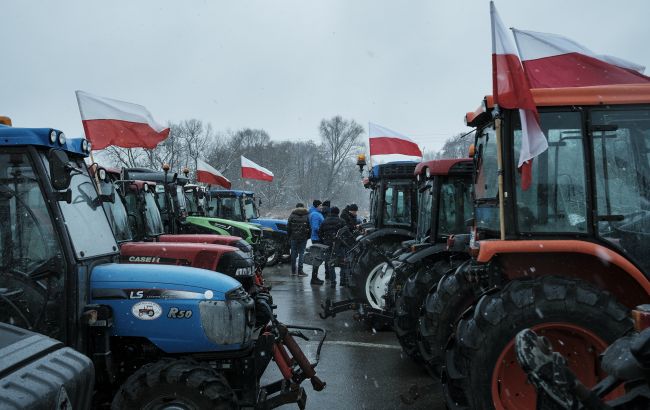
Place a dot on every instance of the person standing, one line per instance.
(349, 215)
(315, 220)
(325, 209)
(328, 230)
(299, 231)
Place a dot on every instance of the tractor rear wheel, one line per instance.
(175, 384)
(409, 303)
(439, 315)
(580, 321)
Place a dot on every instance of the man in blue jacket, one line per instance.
(315, 219)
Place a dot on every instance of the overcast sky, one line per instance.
(413, 66)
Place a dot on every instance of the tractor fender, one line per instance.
(426, 252)
(198, 255)
(382, 233)
(588, 261)
(178, 309)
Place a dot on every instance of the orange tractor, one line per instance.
(566, 255)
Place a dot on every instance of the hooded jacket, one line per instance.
(315, 219)
(329, 228)
(298, 226)
(350, 220)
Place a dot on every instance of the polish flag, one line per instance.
(207, 174)
(554, 61)
(251, 170)
(511, 90)
(391, 146)
(112, 122)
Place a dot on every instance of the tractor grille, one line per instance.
(397, 170)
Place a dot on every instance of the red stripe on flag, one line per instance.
(252, 173)
(512, 89)
(209, 178)
(125, 134)
(526, 174)
(577, 70)
(392, 145)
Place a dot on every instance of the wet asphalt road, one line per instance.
(363, 369)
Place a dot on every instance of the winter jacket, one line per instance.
(298, 227)
(349, 219)
(329, 229)
(315, 219)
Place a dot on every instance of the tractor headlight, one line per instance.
(52, 137)
(61, 138)
(230, 321)
(84, 146)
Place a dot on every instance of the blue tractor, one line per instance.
(159, 336)
(242, 206)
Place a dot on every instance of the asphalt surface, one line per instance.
(363, 368)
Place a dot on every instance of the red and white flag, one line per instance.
(112, 122)
(511, 90)
(391, 146)
(251, 170)
(209, 175)
(554, 61)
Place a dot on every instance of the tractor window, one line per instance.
(180, 197)
(621, 143)
(555, 201)
(455, 206)
(425, 204)
(31, 259)
(250, 209)
(228, 207)
(485, 182)
(85, 210)
(117, 216)
(397, 204)
(373, 207)
(153, 220)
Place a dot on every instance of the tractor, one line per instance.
(560, 247)
(242, 206)
(159, 336)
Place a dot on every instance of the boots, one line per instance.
(315, 280)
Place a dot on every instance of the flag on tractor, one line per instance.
(554, 61)
(112, 122)
(510, 89)
(391, 146)
(209, 175)
(251, 170)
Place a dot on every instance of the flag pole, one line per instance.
(502, 212)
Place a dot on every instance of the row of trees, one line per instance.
(303, 170)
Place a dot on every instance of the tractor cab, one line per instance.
(197, 199)
(557, 240)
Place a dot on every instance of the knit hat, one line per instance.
(353, 207)
(300, 205)
(316, 203)
(334, 210)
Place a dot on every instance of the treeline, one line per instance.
(303, 170)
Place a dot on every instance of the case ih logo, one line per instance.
(144, 259)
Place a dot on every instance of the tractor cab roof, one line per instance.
(570, 96)
(229, 192)
(146, 174)
(45, 138)
(445, 167)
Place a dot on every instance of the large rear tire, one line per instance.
(175, 384)
(439, 315)
(409, 303)
(579, 320)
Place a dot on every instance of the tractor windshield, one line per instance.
(153, 221)
(425, 203)
(180, 199)
(85, 211)
(555, 201)
(227, 207)
(397, 203)
(250, 209)
(455, 206)
(621, 153)
(485, 180)
(117, 215)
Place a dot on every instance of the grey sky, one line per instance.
(413, 66)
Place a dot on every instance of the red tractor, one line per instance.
(565, 255)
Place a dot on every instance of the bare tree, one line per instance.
(340, 139)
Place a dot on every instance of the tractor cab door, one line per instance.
(454, 206)
(621, 153)
(32, 261)
(398, 204)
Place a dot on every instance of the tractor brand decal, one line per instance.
(176, 313)
(146, 310)
(144, 259)
(145, 294)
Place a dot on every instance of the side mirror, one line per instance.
(60, 170)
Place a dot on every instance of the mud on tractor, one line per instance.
(158, 336)
(564, 255)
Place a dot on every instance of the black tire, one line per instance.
(272, 252)
(182, 381)
(409, 302)
(439, 315)
(482, 335)
(367, 262)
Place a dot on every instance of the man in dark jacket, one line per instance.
(327, 232)
(299, 231)
(349, 215)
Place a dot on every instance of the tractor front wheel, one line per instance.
(175, 384)
(579, 320)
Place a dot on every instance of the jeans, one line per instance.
(330, 269)
(297, 252)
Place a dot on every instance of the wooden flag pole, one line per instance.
(502, 213)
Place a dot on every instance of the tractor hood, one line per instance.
(275, 224)
(198, 255)
(201, 238)
(160, 278)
